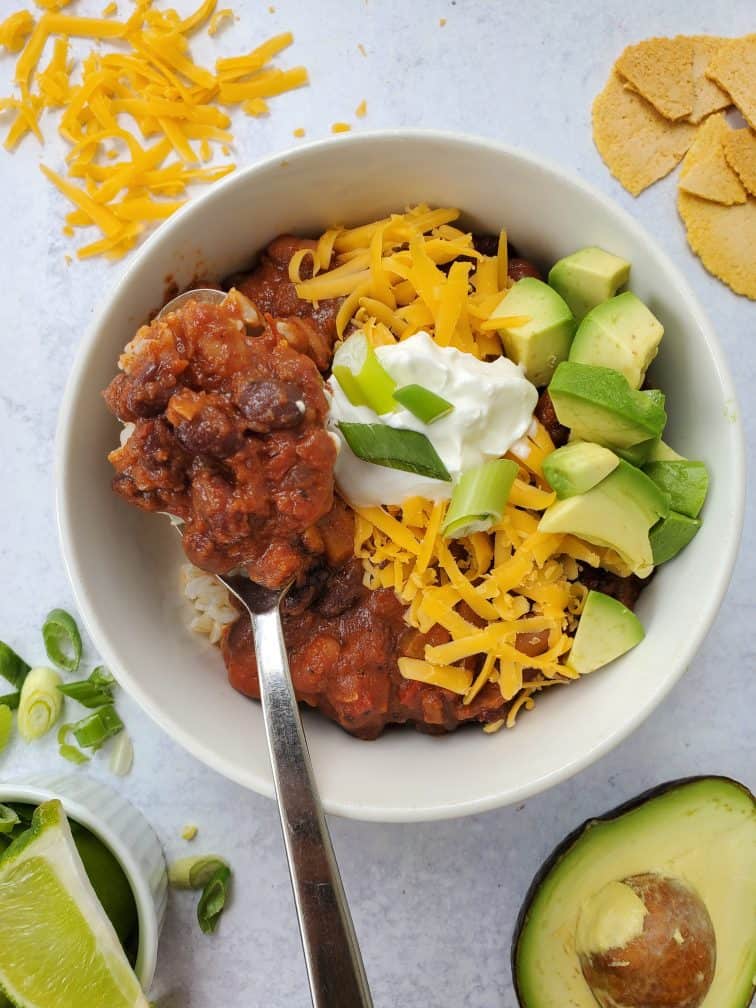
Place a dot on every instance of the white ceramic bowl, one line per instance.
(123, 564)
(124, 831)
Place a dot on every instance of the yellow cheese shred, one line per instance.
(140, 70)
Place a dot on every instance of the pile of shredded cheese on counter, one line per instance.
(141, 115)
(513, 579)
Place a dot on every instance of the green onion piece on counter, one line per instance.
(94, 692)
(12, 666)
(92, 732)
(40, 704)
(10, 700)
(66, 750)
(213, 899)
(393, 448)
(8, 819)
(361, 375)
(6, 725)
(194, 872)
(62, 640)
(479, 497)
(422, 403)
(122, 756)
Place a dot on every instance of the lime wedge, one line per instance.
(57, 947)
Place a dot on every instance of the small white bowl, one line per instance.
(124, 564)
(125, 832)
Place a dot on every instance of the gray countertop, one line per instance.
(434, 904)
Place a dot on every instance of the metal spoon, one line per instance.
(332, 953)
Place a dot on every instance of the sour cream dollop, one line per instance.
(493, 407)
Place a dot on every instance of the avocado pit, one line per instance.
(646, 942)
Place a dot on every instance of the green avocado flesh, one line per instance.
(588, 277)
(671, 535)
(622, 334)
(576, 468)
(685, 482)
(617, 512)
(606, 630)
(702, 832)
(541, 343)
(598, 404)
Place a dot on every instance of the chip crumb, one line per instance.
(705, 170)
(724, 239)
(189, 832)
(299, 131)
(271, 10)
(68, 259)
(661, 70)
(362, 49)
(340, 127)
(740, 151)
(733, 67)
(361, 110)
(638, 145)
(708, 96)
(441, 22)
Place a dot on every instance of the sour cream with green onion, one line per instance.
(493, 407)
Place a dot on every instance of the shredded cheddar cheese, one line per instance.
(495, 587)
(140, 115)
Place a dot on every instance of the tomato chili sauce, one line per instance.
(229, 410)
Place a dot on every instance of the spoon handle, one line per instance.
(334, 964)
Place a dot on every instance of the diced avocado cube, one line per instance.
(671, 535)
(544, 341)
(606, 630)
(622, 334)
(637, 454)
(686, 483)
(588, 277)
(618, 512)
(661, 452)
(578, 467)
(597, 404)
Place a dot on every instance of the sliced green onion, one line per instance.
(6, 725)
(479, 497)
(213, 899)
(12, 666)
(8, 819)
(422, 403)
(92, 732)
(122, 756)
(194, 872)
(10, 700)
(361, 375)
(40, 704)
(67, 751)
(62, 640)
(94, 692)
(394, 448)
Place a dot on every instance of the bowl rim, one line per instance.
(64, 438)
(149, 925)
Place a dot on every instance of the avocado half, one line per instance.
(701, 830)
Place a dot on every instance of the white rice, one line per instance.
(210, 601)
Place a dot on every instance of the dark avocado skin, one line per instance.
(564, 846)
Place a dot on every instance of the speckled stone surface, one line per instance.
(434, 904)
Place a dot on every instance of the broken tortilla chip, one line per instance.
(661, 70)
(638, 145)
(708, 96)
(724, 238)
(733, 67)
(705, 170)
(740, 151)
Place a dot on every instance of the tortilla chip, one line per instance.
(708, 96)
(733, 67)
(740, 151)
(661, 70)
(705, 171)
(724, 238)
(637, 144)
